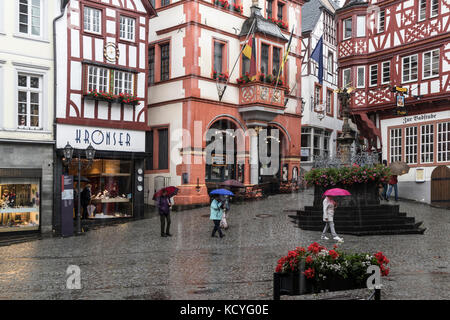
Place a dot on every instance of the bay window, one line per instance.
(264, 58)
(422, 9)
(276, 58)
(347, 28)
(98, 79)
(361, 77)
(434, 8)
(361, 26)
(346, 77)
(123, 82)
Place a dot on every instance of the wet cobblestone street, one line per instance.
(132, 261)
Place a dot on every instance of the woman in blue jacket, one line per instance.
(216, 216)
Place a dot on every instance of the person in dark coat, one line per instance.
(163, 204)
(85, 199)
(384, 185)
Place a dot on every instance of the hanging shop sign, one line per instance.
(105, 139)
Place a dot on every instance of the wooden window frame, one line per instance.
(160, 60)
(329, 90)
(382, 72)
(224, 54)
(371, 84)
(343, 28)
(155, 152)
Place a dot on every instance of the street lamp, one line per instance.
(68, 154)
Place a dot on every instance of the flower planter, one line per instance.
(293, 283)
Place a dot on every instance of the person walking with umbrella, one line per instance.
(216, 216)
(329, 204)
(163, 204)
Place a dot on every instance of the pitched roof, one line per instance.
(312, 10)
(262, 25)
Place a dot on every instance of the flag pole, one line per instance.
(282, 63)
(239, 55)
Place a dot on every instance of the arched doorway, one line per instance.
(223, 165)
(440, 187)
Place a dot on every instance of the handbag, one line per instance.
(223, 222)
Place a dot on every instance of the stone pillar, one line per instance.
(254, 159)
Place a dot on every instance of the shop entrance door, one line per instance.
(440, 187)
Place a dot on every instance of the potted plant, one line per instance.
(221, 76)
(324, 269)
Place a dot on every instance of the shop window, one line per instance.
(111, 183)
(163, 149)
(411, 145)
(427, 143)
(151, 65)
(431, 64)
(306, 144)
(396, 145)
(443, 143)
(30, 17)
(264, 58)
(127, 28)
(165, 61)
(19, 204)
(29, 101)
(92, 20)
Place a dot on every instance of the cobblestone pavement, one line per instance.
(132, 261)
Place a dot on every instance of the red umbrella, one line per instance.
(337, 192)
(171, 191)
(232, 183)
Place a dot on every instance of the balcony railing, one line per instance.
(253, 93)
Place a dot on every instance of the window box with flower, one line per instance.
(221, 76)
(228, 5)
(280, 23)
(127, 98)
(100, 95)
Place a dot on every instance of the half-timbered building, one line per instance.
(396, 54)
(101, 62)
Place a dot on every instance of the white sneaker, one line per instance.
(324, 238)
(338, 239)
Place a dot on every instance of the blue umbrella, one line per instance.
(223, 192)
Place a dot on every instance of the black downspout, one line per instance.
(56, 172)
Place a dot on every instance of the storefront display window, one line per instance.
(19, 204)
(111, 187)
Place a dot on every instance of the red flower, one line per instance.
(309, 273)
(309, 260)
(333, 254)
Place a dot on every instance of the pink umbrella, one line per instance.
(337, 192)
